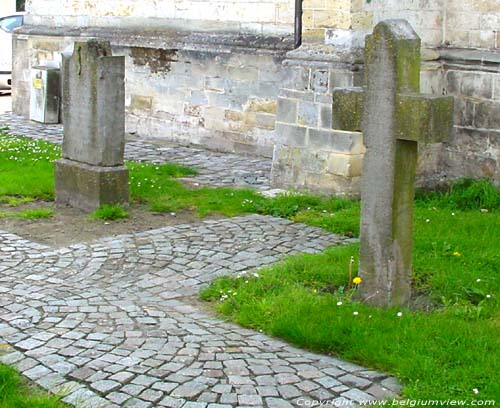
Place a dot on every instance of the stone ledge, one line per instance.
(466, 56)
(470, 60)
(166, 38)
(325, 56)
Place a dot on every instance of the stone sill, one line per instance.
(483, 58)
(324, 55)
(220, 42)
(328, 55)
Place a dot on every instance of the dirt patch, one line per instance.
(70, 226)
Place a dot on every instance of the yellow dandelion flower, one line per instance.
(457, 253)
(357, 280)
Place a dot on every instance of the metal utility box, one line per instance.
(45, 94)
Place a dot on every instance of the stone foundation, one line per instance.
(88, 187)
(216, 91)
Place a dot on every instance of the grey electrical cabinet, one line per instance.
(45, 94)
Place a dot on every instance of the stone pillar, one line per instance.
(91, 172)
(309, 154)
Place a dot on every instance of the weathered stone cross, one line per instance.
(394, 117)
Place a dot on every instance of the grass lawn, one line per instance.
(27, 174)
(14, 393)
(445, 346)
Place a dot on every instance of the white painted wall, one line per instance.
(7, 7)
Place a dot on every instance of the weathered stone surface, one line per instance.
(348, 108)
(94, 105)
(91, 172)
(88, 187)
(395, 118)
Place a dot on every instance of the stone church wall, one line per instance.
(224, 75)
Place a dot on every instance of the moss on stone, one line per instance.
(348, 105)
(424, 118)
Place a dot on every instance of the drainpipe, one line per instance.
(298, 23)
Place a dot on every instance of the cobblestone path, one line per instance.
(114, 323)
(215, 169)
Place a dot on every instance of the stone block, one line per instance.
(88, 187)
(319, 80)
(496, 89)
(348, 106)
(214, 84)
(265, 120)
(287, 110)
(323, 98)
(303, 96)
(197, 98)
(308, 114)
(346, 165)
(327, 19)
(340, 79)
(262, 105)
(487, 115)
(291, 135)
(463, 20)
(244, 73)
(140, 102)
(226, 100)
(464, 112)
(432, 78)
(470, 84)
(266, 89)
(336, 140)
(482, 39)
(457, 38)
(312, 4)
(297, 78)
(325, 116)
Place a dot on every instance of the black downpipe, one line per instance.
(298, 23)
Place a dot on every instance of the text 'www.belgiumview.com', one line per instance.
(305, 402)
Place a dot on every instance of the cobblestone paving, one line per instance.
(215, 169)
(114, 324)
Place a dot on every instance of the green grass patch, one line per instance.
(445, 346)
(465, 194)
(26, 168)
(13, 201)
(33, 214)
(110, 213)
(14, 393)
(29, 164)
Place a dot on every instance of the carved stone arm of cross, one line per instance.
(419, 117)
